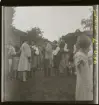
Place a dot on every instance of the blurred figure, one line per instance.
(16, 61)
(90, 61)
(11, 53)
(24, 62)
(40, 58)
(74, 49)
(84, 78)
(35, 57)
(48, 59)
(56, 60)
(71, 63)
(63, 66)
(32, 73)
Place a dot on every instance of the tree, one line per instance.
(88, 23)
(36, 34)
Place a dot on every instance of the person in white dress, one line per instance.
(24, 61)
(84, 76)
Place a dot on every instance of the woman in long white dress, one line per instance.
(24, 62)
(84, 76)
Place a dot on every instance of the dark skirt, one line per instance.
(35, 62)
(56, 61)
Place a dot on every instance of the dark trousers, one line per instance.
(56, 61)
(47, 69)
(32, 72)
(56, 71)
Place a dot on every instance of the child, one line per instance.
(16, 61)
(11, 53)
(83, 82)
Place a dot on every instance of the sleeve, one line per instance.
(74, 49)
(57, 50)
(79, 60)
(65, 48)
(13, 50)
(9, 51)
(37, 51)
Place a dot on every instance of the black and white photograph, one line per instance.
(47, 53)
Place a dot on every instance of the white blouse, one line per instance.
(36, 50)
(65, 48)
(55, 52)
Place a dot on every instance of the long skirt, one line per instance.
(56, 62)
(35, 62)
(63, 63)
(47, 67)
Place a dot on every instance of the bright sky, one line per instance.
(55, 21)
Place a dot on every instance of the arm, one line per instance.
(80, 64)
(18, 52)
(74, 49)
(12, 51)
(79, 61)
(56, 51)
(90, 60)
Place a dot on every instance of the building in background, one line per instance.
(10, 33)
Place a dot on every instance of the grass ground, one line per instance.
(40, 88)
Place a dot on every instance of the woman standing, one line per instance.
(63, 55)
(56, 58)
(16, 61)
(24, 62)
(84, 78)
(48, 59)
(40, 58)
(34, 58)
(11, 53)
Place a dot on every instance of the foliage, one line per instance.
(88, 22)
(71, 38)
(36, 35)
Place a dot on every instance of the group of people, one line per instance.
(58, 58)
(32, 57)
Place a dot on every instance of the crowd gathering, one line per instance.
(55, 56)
